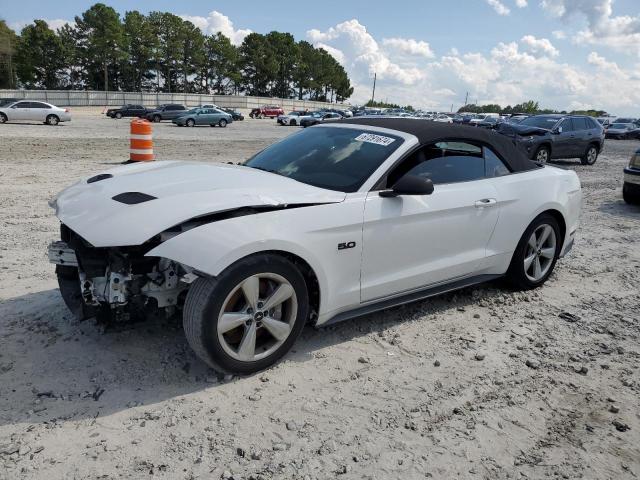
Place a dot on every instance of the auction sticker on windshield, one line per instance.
(377, 139)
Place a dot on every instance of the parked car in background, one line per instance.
(337, 221)
(27, 110)
(204, 116)
(482, 117)
(167, 111)
(442, 118)
(292, 118)
(546, 137)
(604, 121)
(489, 122)
(631, 186)
(319, 117)
(128, 110)
(267, 111)
(235, 114)
(622, 131)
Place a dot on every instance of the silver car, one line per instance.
(28, 110)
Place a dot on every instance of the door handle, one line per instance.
(485, 202)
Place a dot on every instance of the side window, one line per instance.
(443, 162)
(39, 105)
(493, 166)
(566, 125)
(23, 105)
(580, 124)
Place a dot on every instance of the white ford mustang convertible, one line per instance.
(330, 223)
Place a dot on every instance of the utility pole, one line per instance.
(466, 99)
(373, 95)
(10, 52)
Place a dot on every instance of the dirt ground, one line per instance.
(485, 383)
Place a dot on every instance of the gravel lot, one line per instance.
(485, 383)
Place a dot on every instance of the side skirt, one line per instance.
(408, 298)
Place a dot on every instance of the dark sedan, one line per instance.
(546, 137)
(623, 131)
(128, 110)
(235, 114)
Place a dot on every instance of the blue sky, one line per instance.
(564, 53)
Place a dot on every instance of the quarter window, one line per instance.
(493, 166)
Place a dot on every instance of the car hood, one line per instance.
(183, 191)
(523, 130)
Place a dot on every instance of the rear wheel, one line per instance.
(536, 253)
(222, 123)
(191, 122)
(247, 318)
(52, 120)
(3, 118)
(590, 156)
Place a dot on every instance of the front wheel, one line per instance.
(292, 123)
(261, 116)
(3, 118)
(248, 317)
(190, 123)
(590, 156)
(157, 118)
(536, 253)
(52, 120)
(118, 115)
(543, 154)
(630, 195)
(222, 123)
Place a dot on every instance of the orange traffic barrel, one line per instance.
(141, 146)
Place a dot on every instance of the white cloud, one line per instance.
(621, 32)
(539, 46)
(521, 3)
(559, 34)
(499, 7)
(409, 46)
(217, 22)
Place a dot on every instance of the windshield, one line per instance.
(540, 122)
(334, 158)
(622, 126)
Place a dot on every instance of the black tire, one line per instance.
(543, 154)
(118, 115)
(630, 197)
(222, 123)
(205, 300)
(261, 116)
(52, 120)
(157, 118)
(3, 118)
(190, 122)
(292, 123)
(590, 155)
(516, 274)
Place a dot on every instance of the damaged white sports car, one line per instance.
(330, 223)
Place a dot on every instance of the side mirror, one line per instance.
(557, 130)
(409, 185)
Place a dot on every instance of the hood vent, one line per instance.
(97, 178)
(133, 198)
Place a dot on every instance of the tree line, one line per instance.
(530, 107)
(164, 53)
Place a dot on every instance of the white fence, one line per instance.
(88, 98)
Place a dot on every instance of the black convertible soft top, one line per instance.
(429, 132)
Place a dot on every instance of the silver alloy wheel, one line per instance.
(542, 156)
(52, 120)
(257, 317)
(190, 123)
(540, 252)
(592, 155)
